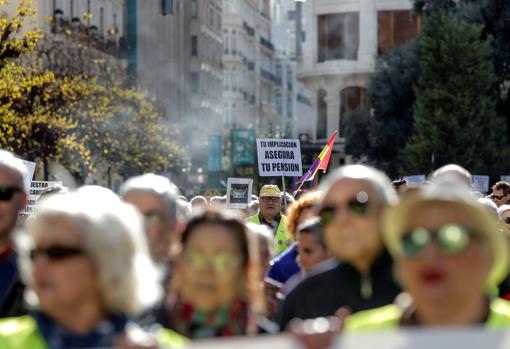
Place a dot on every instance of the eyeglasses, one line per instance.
(506, 220)
(6, 193)
(451, 239)
(153, 218)
(496, 197)
(270, 199)
(56, 253)
(220, 261)
(358, 206)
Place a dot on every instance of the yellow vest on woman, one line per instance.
(22, 333)
(389, 316)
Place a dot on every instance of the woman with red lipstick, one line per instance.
(449, 255)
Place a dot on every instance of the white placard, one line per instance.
(419, 338)
(30, 171)
(415, 180)
(279, 157)
(239, 192)
(35, 190)
(480, 183)
(505, 178)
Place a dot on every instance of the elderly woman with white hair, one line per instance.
(86, 262)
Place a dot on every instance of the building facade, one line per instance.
(342, 41)
(105, 18)
(205, 79)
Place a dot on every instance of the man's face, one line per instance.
(499, 197)
(158, 224)
(11, 205)
(270, 206)
(351, 232)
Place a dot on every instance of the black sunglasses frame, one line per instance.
(7, 193)
(354, 206)
(56, 253)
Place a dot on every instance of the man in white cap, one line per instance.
(270, 201)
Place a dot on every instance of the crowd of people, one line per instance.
(150, 268)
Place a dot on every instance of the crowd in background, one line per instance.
(149, 268)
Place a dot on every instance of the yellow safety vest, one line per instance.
(389, 316)
(282, 240)
(22, 333)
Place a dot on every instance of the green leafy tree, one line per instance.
(382, 130)
(455, 117)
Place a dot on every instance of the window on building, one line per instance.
(194, 8)
(322, 115)
(166, 7)
(101, 20)
(396, 28)
(351, 98)
(115, 24)
(194, 82)
(234, 79)
(225, 80)
(225, 42)
(234, 42)
(194, 45)
(338, 36)
(211, 18)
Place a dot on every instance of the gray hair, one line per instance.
(379, 182)
(490, 206)
(113, 237)
(459, 172)
(502, 209)
(9, 160)
(199, 199)
(183, 209)
(154, 184)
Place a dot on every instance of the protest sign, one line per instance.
(505, 178)
(35, 190)
(239, 192)
(419, 338)
(30, 171)
(480, 183)
(415, 180)
(279, 157)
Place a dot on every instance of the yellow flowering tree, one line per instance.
(90, 125)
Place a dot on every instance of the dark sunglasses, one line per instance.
(56, 253)
(497, 197)
(451, 239)
(507, 220)
(6, 193)
(358, 206)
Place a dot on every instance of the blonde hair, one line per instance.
(113, 237)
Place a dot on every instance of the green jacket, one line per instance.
(282, 240)
(388, 317)
(22, 333)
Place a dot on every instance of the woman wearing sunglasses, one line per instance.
(350, 209)
(449, 255)
(85, 260)
(210, 280)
